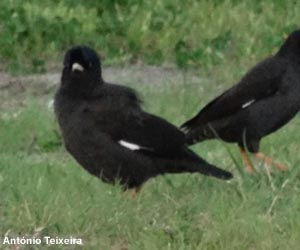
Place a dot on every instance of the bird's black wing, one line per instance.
(262, 81)
(117, 112)
(153, 134)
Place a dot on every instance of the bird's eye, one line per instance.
(77, 66)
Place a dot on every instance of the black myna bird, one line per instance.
(264, 100)
(105, 129)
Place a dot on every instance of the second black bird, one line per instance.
(265, 99)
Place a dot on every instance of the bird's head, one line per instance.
(291, 46)
(82, 69)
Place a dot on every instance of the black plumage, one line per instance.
(265, 99)
(105, 129)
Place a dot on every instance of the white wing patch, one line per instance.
(132, 146)
(129, 145)
(247, 104)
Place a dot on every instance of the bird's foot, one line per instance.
(269, 161)
(135, 192)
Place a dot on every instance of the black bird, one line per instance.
(264, 100)
(105, 129)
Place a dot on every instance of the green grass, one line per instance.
(185, 33)
(44, 191)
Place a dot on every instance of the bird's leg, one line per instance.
(269, 161)
(248, 164)
(136, 191)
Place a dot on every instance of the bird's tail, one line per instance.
(200, 165)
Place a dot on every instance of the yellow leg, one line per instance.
(248, 164)
(269, 161)
(136, 191)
